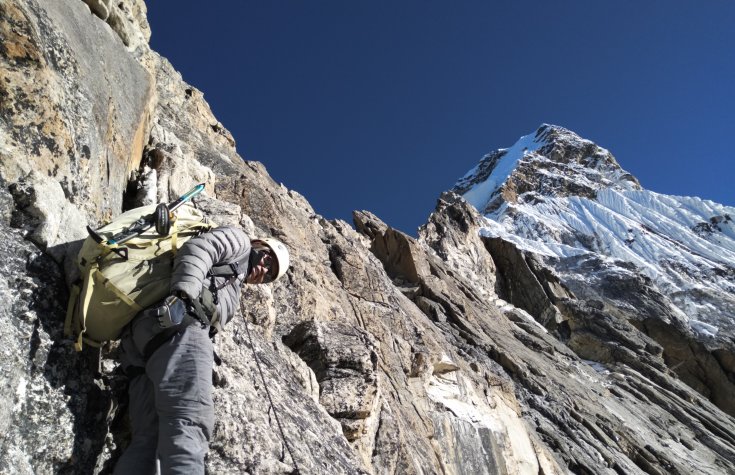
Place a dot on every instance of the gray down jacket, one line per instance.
(193, 261)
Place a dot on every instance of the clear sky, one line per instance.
(382, 105)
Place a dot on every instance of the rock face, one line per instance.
(451, 353)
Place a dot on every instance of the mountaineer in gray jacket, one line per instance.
(167, 353)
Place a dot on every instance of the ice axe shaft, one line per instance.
(185, 197)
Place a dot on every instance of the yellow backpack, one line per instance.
(114, 286)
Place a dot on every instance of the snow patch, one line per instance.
(20, 392)
(479, 195)
(598, 367)
(703, 328)
(494, 229)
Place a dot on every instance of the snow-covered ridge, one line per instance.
(483, 181)
(561, 196)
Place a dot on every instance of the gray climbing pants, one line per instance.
(171, 409)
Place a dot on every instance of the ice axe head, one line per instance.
(163, 219)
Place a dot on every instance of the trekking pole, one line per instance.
(296, 470)
(161, 219)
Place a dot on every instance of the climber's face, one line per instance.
(264, 269)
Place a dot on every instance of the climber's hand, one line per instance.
(257, 274)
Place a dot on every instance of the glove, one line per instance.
(171, 312)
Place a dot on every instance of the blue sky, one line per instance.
(382, 105)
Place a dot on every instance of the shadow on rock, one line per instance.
(92, 394)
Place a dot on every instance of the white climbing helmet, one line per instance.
(279, 251)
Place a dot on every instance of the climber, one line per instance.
(168, 355)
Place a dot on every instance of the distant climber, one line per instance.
(167, 353)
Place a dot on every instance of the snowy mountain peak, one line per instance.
(553, 161)
(565, 198)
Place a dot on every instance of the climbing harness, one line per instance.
(296, 470)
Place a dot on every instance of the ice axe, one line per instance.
(160, 219)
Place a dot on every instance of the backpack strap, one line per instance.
(233, 269)
(237, 267)
(157, 341)
(76, 290)
(204, 312)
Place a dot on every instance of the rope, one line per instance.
(296, 470)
